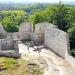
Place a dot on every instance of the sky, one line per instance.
(36, 1)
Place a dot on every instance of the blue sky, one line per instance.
(37, 1)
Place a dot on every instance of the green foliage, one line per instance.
(62, 17)
(18, 67)
(12, 19)
(73, 52)
(8, 63)
(9, 25)
(41, 16)
(36, 18)
(58, 15)
(72, 35)
(48, 14)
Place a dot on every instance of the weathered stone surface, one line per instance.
(15, 45)
(39, 32)
(2, 32)
(56, 40)
(0, 44)
(9, 36)
(1, 29)
(25, 31)
(9, 53)
(7, 44)
(15, 36)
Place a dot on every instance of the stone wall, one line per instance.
(15, 35)
(55, 39)
(39, 32)
(10, 53)
(46, 33)
(0, 44)
(7, 44)
(25, 31)
(2, 32)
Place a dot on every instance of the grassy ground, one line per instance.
(10, 66)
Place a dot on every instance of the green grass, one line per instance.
(8, 63)
(18, 67)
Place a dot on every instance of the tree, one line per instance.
(72, 36)
(61, 17)
(48, 14)
(9, 24)
(36, 18)
(41, 16)
(12, 19)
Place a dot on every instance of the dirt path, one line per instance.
(47, 60)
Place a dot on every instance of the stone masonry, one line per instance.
(55, 39)
(44, 33)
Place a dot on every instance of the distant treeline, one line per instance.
(26, 7)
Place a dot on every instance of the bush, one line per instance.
(73, 52)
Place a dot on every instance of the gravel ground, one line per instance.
(51, 63)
